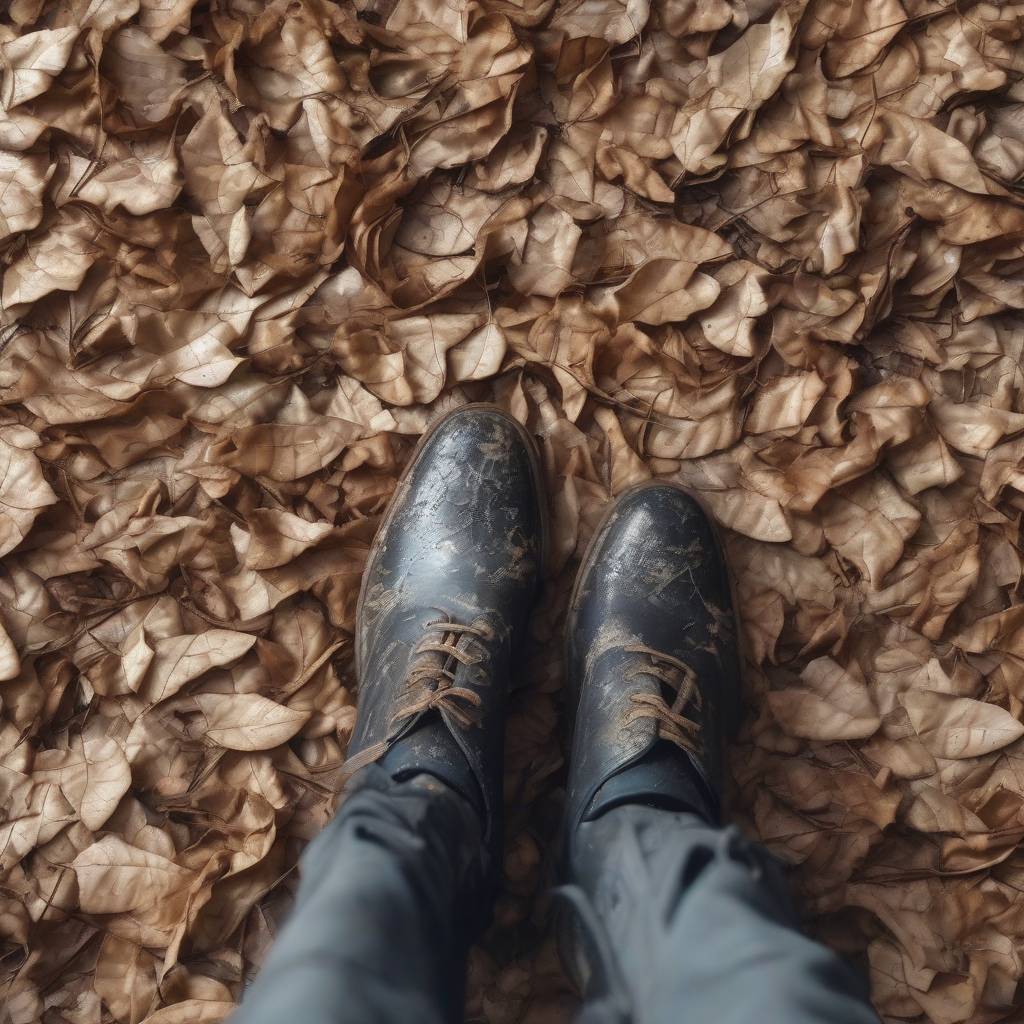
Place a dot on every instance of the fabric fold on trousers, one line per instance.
(696, 921)
(702, 928)
(390, 894)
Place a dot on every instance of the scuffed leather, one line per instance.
(463, 540)
(654, 576)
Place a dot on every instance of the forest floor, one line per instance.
(770, 250)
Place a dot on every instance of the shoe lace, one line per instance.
(431, 681)
(678, 677)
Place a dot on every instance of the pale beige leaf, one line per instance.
(24, 491)
(93, 775)
(32, 61)
(479, 355)
(180, 659)
(192, 1011)
(56, 259)
(835, 706)
(275, 537)
(784, 402)
(115, 877)
(126, 978)
(934, 811)
(10, 663)
(957, 727)
(22, 181)
(246, 721)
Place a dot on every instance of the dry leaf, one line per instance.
(769, 251)
(957, 727)
(92, 773)
(834, 707)
(246, 721)
(180, 659)
(126, 978)
(115, 877)
(31, 62)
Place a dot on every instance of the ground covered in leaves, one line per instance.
(249, 250)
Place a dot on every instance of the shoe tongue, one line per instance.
(664, 778)
(429, 748)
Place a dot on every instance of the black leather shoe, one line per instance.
(652, 662)
(444, 600)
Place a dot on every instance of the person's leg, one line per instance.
(676, 921)
(397, 884)
(702, 928)
(383, 913)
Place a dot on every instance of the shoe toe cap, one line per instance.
(659, 547)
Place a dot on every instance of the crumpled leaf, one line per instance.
(738, 79)
(24, 491)
(613, 20)
(92, 773)
(24, 179)
(57, 260)
(126, 978)
(116, 877)
(770, 252)
(31, 61)
(274, 538)
(958, 727)
(10, 663)
(247, 721)
(180, 659)
(835, 706)
(36, 813)
(193, 1011)
(147, 78)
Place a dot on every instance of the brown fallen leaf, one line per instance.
(56, 257)
(115, 877)
(180, 659)
(934, 811)
(92, 773)
(246, 721)
(769, 251)
(835, 706)
(126, 978)
(958, 727)
(192, 1011)
(24, 491)
(31, 61)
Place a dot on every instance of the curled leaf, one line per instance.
(958, 727)
(834, 705)
(247, 721)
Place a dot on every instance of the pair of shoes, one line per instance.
(652, 668)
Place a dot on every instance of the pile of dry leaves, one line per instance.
(768, 248)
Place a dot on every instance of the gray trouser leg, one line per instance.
(702, 927)
(380, 924)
